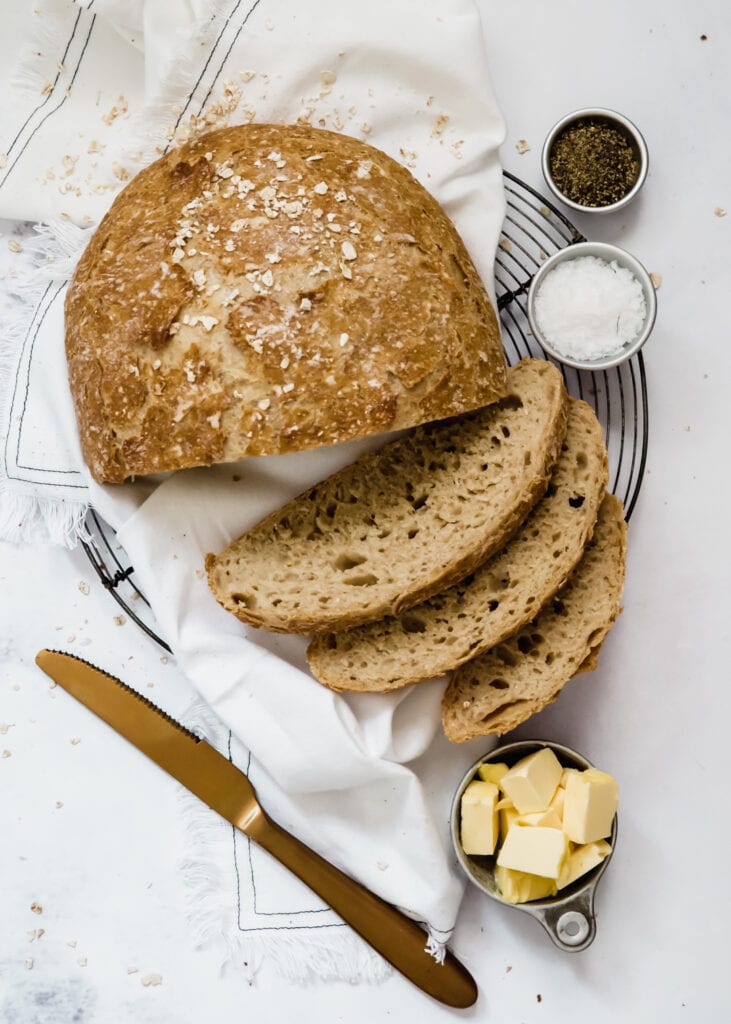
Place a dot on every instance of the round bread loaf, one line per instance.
(268, 289)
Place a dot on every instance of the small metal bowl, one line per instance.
(630, 131)
(568, 917)
(607, 252)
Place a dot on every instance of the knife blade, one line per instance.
(214, 779)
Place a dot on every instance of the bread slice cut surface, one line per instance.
(503, 594)
(403, 523)
(502, 688)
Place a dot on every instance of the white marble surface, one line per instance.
(91, 834)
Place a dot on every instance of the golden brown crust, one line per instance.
(267, 289)
(402, 523)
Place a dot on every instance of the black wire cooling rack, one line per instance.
(533, 230)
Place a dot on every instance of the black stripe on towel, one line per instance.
(58, 105)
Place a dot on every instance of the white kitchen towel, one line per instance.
(363, 779)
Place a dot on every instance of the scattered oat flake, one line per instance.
(120, 108)
(75, 740)
(59, 803)
(7, 753)
(120, 620)
(36, 907)
(544, 210)
(656, 280)
(440, 123)
(719, 211)
(14, 246)
(506, 244)
(3, 159)
(132, 970)
(82, 961)
(29, 963)
(71, 943)
(522, 146)
(84, 587)
(151, 979)
(164, 659)
(4, 728)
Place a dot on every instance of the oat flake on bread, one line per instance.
(268, 289)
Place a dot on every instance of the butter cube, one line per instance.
(547, 818)
(558, 801)
(520, 887)
(582, 859)
(566, 775)
(479, 826)
(492, 772)
(590, 804)
(534, 849)
(507, 814)
(531, 782)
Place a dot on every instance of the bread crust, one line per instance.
(505, 592)
(418, 516)
(268, 289)
(503, 687)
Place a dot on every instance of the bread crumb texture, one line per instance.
(402, 523)
(503, 687)
(501, 596)
(265, 289)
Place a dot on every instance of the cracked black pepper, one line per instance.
(593, 162)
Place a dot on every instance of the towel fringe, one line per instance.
(36, 67)
(301, 956)
(50, 253)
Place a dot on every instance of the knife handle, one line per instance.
(396, 937)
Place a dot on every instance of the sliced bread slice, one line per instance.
(503, 594)
(402, 523)
(500, 689)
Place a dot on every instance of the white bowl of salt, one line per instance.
(592, 305)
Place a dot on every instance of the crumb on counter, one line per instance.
(151, 979)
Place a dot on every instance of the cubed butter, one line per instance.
(547, 818)
(531, 782)
(582, 859)
(479, 824)
(589, 807)
(492, 772)
(558, 801)
(506, 814)
(566, 775)
(534, 849)
(520, 887)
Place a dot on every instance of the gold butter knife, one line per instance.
(214, 779)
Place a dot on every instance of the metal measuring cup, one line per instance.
(567, 917)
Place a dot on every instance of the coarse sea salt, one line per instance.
(588, 308)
